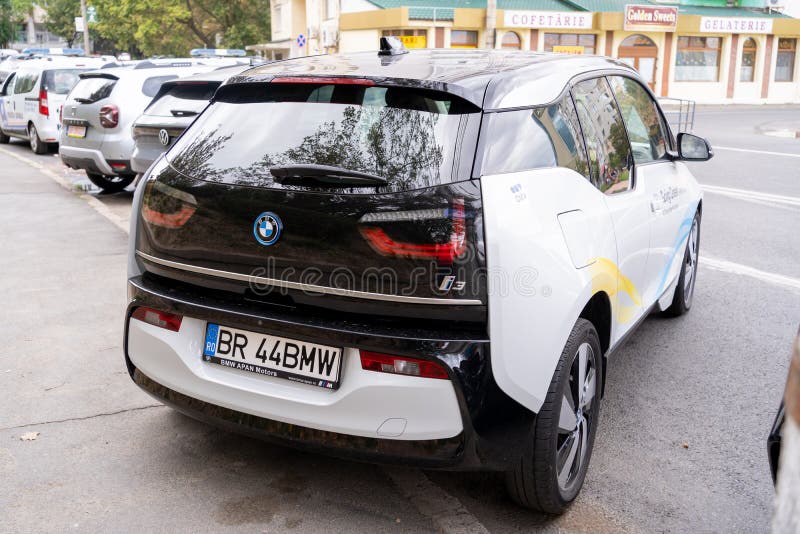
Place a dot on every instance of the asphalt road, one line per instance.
(682, 437)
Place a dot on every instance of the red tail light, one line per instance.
(323, 80)
(167, 206)
(169, 321)
(60, 114)
(443, 252)
(44, 108)
(401, 365)
(109, 116)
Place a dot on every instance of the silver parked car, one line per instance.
(98, 113)
(171, 111)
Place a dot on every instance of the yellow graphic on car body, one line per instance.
(607, 277)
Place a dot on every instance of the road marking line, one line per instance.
(752, 272)
(786, 154)
(446, 512)
(745, 194)
(98, 206)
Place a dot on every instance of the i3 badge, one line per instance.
(163, 137)
(267, 228)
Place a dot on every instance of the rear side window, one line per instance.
(183, 100)
(26, 82)
(606, 138)
(151, 85)
(60, 81)
(411, 137)
(527, 139)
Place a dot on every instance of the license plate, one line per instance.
(76, 131)
(308, 363)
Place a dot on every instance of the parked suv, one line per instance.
(171, 111)
(32, 95)
(98, 115)
(422, 258)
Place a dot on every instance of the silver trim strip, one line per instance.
(306, 287)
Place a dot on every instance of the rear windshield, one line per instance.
(60, 81)
(408, 136)
(183, 100)
(91, 90)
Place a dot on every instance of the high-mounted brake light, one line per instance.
(401, 365)
(380, 241)
(169, 321)
(44, 108)
(109, 116)
(323, 80)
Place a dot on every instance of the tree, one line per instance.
(61, 18)
(176, 26)
(6, 23)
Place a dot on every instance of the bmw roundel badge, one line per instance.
(267, 228)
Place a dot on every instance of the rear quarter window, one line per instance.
(151, 85)
(526, 139)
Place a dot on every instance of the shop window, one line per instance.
(463, 39)
(410, 38)
(698, 59)
(748, 72)
(331, 8)
(581, 43)
(511, 41)
(784, 68)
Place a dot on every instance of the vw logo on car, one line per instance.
(267, 228)
(163, 137)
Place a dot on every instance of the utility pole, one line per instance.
(491, 23)
(85, 28)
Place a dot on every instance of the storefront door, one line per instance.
(640, 52)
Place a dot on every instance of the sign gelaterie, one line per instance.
(650, 18)
(735, 25)
(563, 20)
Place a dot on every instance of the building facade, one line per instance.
(693, 49)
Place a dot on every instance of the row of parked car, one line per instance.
(108, 118)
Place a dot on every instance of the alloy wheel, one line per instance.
(577, 417)
(690, 266)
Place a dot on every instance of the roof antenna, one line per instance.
(392, 46)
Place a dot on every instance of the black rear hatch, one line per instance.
(338, 194)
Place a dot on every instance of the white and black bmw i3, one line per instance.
(423, 258)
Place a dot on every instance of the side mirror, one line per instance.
(693, 148)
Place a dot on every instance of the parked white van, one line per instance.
(32, 95)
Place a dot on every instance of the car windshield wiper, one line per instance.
(324, 175)
(80, 100)
(182, 113)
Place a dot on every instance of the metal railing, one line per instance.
(679, 113)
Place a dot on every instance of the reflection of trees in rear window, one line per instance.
(93, 89)
(408, 137)
(60, 81)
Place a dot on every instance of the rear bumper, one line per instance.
(144, 154)
(461, 423)
(86, 159)
(425, 453)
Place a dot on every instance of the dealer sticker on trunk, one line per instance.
(307, 363)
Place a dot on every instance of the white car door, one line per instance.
(670, 191)
(612, 172)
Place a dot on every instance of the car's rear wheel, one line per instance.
(684, 291)
(556, 455)
(37, 145)
(110, 184)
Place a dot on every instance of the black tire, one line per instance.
(4, 139)
(37, 145)
(537, 482)
(682, 301)
(110, 184)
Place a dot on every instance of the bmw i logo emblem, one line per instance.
(267, 228)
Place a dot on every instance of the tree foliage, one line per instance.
(61, 18)
(176, 26)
